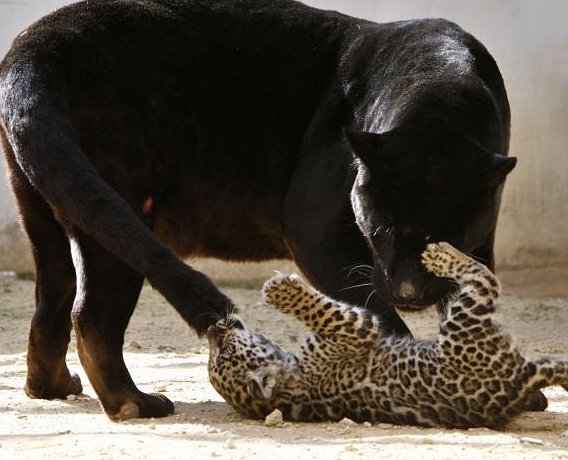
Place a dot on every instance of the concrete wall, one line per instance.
(529, 40)
(15, 15)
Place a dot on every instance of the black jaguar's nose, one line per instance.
(407, 283)
(407, 292)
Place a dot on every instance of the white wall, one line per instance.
(529, 40)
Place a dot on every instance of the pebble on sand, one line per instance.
(274, 419)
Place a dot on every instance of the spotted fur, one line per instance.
(469, 375)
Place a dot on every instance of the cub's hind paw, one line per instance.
(280, 290)
(444, 260)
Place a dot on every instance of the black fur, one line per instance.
(148, 130)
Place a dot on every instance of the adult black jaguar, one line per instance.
(137, 132)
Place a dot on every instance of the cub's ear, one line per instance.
(364, 145)
(499, 167)
(262, 384)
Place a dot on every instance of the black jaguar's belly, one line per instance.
(215, 203)
(223, 223)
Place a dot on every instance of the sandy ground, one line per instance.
(164, 356)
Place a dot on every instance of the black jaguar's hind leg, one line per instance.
(47, 376)
(107, 292)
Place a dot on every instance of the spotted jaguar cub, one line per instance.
(470, 375)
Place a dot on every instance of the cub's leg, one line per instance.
(327, 317)
(470, 315)
(107, 292)
(48, 376)
(445, 261)
(551, 371)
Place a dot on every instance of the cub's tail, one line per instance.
(34, 118)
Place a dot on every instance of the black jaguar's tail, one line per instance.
(33, 115)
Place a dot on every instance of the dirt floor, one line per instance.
(164, 356)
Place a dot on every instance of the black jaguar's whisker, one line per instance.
(360, 270)
(374, 291)
(356, 286)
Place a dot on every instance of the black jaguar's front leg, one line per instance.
(330, 261)
(319, 226)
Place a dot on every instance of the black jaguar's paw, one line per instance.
(53, 388)
(143, 406)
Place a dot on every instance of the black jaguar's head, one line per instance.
(416, 186)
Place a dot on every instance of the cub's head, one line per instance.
(415, 186)
(245, 368)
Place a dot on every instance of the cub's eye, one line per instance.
(226, 351)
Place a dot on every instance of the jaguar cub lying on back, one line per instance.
(470, 375)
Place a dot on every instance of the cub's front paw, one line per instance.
(444, 260)
(281, 289)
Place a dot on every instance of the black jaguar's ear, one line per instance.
(364, 145)
(499, 167)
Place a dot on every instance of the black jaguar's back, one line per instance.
(139, 131)
(195, 100)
